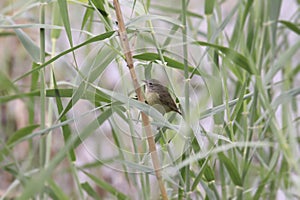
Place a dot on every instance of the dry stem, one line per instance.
(125, 44)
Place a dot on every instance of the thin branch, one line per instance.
(146, 122)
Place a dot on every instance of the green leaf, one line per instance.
(99, 4)
(90, 128)
(64, 13)
(214, 85)
(236, 57)
(32, 49)
(76, 96)
(281, 61)
(154, 57)
(274, 12)
(107, 187)
(6, 85)
(34, 78)
(56, 20)
(67, 133)
(239, 102)
(92, 72)
(285, 97)
(262, 185)
(246, 11)
(91, 192)
(88, 95)
(217, 109)
(6, 33)
(56, 192)
(231, 169)
(91, 40)
(21, 133)
(199, 174)
(209, 7)
(220, 149)
(291, 26)
(37, 182)
(88, 14)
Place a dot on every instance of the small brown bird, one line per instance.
(159, 97)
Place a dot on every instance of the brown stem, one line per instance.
(126, 48)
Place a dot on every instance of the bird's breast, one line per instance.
(152, 98)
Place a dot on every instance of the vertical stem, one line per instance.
(42, 85)
(128, 55)
(185, 171)
(185, 61)
(43, 141)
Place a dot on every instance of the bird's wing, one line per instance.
(166, 99)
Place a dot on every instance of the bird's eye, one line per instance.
(150, 84)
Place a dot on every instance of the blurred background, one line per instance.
(227, 105)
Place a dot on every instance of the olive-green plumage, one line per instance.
(159, 97)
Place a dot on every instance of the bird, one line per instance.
(158, 96)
